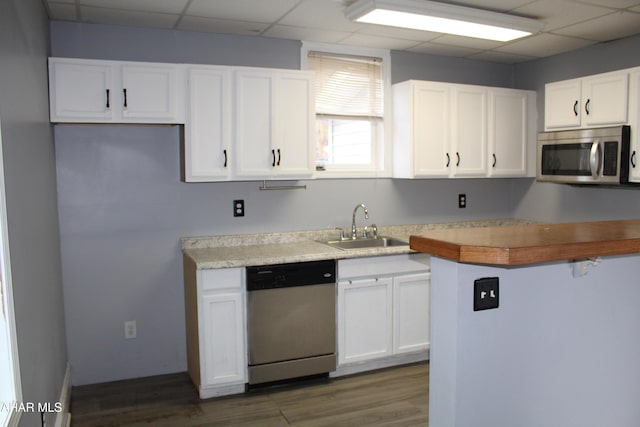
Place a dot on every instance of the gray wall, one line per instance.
(562, 203)
(123, 209)
(30, 183)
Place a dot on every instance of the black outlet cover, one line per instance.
(486, 293)
(238, 208)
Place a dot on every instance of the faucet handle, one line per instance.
(375, 231)
(341, 232)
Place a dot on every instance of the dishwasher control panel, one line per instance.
(292, 274)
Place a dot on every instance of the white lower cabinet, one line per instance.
(383, 311)
(216, 337)
(364, 319)
(411, 298)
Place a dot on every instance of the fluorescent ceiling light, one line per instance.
(442, 18)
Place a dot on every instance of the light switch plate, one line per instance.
(486, 293)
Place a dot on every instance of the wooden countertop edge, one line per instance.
(476, 254)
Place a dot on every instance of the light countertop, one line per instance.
(277, 248)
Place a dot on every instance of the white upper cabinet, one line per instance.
(80, 91)
(92, 91)
(598, 100)
(207, 139)
(451, 130)
(469, 131)
(150, 93)
(274, 124)
(421, 115)
(634, 122)
(512, 116)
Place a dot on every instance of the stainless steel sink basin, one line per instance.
(380, 242)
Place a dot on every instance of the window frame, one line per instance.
(382, 148)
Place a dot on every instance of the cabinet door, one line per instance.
(254, 124)
(208, 128)
(562, 104)
(364, 319)
(604, 99)
(430, 121)
(411, 312)
(508, 132)
(469, 131)
(81, 91)
(149, 93)
(634, 122)
(222, 339)
(294, 125)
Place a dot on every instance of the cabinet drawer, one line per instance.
(383, 265)
(218, 279)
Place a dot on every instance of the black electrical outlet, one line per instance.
(486, 293)
(238, 208)
(462, 200)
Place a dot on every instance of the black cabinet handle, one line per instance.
(458, 159)
(633, 159)
(448, 160)
(124, 92)
(278, 157)
(273, 154)
(586, 106)
(494, 160)
(575, 109)
(108, 100)
(225, 157)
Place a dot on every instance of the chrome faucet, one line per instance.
(353, 222)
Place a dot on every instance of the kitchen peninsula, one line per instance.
(561, 347)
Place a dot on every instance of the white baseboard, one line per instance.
(63, 418)
(358, 367)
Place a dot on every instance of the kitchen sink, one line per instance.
(378, 242)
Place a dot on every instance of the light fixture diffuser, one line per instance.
(442, 18)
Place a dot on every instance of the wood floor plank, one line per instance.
(389, 397)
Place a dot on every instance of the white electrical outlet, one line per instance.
(130, 329)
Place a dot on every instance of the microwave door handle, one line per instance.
(595, 158)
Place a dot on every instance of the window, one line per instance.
(350, 109)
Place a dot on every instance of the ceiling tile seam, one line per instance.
(273, 23)
(583, 22)
(182, 14)
(612, 8)
(127, 10)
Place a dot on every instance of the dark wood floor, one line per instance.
(390, 397)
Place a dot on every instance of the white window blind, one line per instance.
(347, 86)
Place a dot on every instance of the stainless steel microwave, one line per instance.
(584, 156)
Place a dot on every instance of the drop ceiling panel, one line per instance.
(325, 14)
(241, 10)
(558, 14)
(224, 26)
(297, 33)
(439, 49)
(100, 15)
(544, 45)
(378, 42)
(503, 57)
(569, 24)
(161, 6)
(606, 28)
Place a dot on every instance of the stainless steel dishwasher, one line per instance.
(291, 320)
